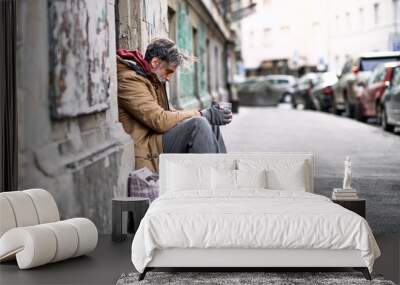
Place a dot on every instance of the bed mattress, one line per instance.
(250, 219)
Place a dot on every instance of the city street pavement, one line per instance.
(375, 154)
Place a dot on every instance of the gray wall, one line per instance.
(70, 141)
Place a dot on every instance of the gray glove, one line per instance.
(217, 116)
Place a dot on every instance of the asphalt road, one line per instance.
(375, 154)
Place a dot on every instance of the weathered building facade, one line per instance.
(70, 140)
(198, 28)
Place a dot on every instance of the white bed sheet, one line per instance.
(252, 218)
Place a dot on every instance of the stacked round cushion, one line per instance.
(31, 230)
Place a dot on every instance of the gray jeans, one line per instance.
(194, 135)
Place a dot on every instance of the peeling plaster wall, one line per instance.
(79, 51)
(129, 24)
(154, 21)
(141, 21)
(70, 142)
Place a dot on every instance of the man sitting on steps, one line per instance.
(145, 113)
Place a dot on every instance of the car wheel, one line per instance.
(358, 114)
(379, 114)
(334, 109)
(384, 123)
(293, 102)
(326, 108)
(287, 98)
(330, 108)
(316, 105)
(309, 104)
(349, 110)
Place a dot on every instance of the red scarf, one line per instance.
(136, 56)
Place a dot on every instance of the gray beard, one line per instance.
(159, 79)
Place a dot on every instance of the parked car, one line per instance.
(322, 93)
(344, 91)
(369, 98)
(258, 91)
(284, 85)
(245, 86)
(389, 107)
(302, 90)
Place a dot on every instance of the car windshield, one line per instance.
(369, 64)
(249, 81)
(329, 78)
(313, 77)
(276, 81)
(282, 81)
(364, 76)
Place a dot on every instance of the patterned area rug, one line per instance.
(273, 278)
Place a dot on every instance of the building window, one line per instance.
(285, 29)
(376, 14)
(348, 21)
(315, 25)
(267, 36)
(251, 37)
(216, 57)
(208, 50)
(337, 20)
(267, 3)
(361, 18)
(195, 49)
(396, 12)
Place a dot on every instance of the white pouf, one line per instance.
(31, 232)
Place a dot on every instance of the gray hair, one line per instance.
(166, 50)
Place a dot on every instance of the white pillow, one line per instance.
(251, 178)
(282, 174)
(231, 180)
(182, 177)
(286, 175)
(223, 179)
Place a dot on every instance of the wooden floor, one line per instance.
(110, 260)
(103, 266)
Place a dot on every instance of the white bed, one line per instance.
(247, 210)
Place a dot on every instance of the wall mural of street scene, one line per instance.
(200, 141)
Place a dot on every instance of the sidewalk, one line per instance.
(375, 153)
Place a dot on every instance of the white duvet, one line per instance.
(250, 219)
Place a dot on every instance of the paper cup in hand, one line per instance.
(225, 105)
